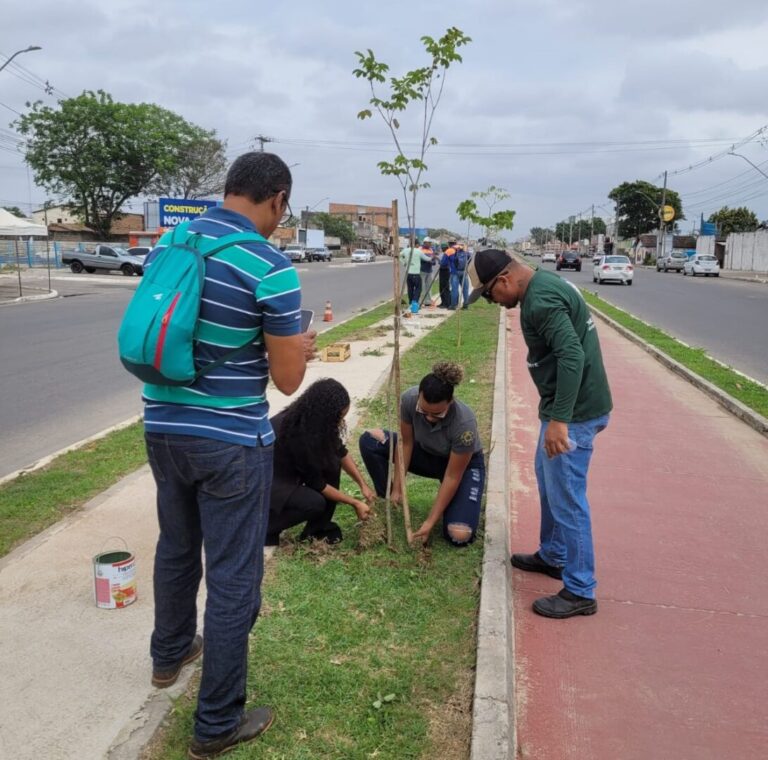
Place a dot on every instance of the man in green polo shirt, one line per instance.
(566, 365)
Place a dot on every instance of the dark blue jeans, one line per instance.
(212, 495)
(464, 507)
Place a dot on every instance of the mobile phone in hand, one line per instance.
(307, 315)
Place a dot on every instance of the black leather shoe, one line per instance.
(564, 605)
(254, 723)
(162, 679)
(533, 563)
(331, 534)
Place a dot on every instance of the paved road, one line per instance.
(729, 318)
(59, 372)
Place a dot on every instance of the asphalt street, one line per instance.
(728, 318)
(59, 370)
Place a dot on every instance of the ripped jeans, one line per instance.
(464, 507)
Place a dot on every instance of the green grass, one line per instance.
(750, 394)
(343, 627)
(34, 501)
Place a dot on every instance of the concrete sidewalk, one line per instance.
(674, 663)
(76, 679)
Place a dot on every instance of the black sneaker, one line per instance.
(254, 723)
(533, 563)
(564, 605)
(331, 534)
(162, 679)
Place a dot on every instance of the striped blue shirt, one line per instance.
(249, 290)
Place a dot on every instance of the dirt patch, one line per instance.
(450, 723)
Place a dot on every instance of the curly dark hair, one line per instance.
(438, 385)
(316, 418)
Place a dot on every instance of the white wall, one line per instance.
(747, 251)
(56, 215)
(705, 245)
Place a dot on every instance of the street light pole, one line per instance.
(754, 166)
(19, 52)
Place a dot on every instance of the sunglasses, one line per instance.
(487, 294)
(440, 416)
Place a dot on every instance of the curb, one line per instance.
(730, 404)
(28, 299)
(493, 712)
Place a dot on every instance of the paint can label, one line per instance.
(114, 579)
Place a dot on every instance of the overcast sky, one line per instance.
(557, 100)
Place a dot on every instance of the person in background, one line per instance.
(447, 267)
(309, 458)
(566, 365)
(427, 268)
(459, 280)
(209, 445)
(411, 259)
(440, 441)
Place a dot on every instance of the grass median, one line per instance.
(364, 651)
(750, 393)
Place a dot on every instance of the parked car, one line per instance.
(104, 258)
(362, 254)
(618, 268)
(548, 256)
(296, 252)
(320, 254)
(674, 260)
(701, 263)
(569, 260)
(139, 250)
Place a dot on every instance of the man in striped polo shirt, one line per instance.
(210, 448)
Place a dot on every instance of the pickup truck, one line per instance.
(104, 257)
(296, 252)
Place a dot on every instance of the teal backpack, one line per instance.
(156, 336)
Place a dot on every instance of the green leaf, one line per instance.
(364, 114)
(389, 698)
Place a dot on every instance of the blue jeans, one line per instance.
(566, 527)
(212, 495)
(456, 285)
(464, 507)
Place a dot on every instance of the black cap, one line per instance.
(483, 268)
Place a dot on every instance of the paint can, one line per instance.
(114, 577)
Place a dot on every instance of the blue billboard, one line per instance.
(708, 228)
(420, 232)
(174, 211)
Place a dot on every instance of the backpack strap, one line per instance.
(224, 242)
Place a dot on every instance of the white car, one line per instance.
(702, 263)
(618, 268)
(548, 256)
(362, 254)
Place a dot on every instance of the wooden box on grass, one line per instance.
(336, 352)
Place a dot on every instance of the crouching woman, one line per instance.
(309, 458)
(440, 441)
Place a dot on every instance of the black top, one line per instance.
(295, 464)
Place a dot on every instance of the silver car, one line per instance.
(364, 255)
(613, 267)
(701, 263)
(674, 260)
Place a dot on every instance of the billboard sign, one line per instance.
(419, 232)
(708, 228)
(175, 211)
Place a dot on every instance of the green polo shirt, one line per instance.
(564, 356)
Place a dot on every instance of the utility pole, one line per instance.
(570, 232)
(19, 52)
(591, 228)
(261, 140)
(662, 225)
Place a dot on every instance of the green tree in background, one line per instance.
(541, 235)
(730, 220)
(100, 153)
(336, 226)
(638, 206)
(580, 230)
(493, 221)
(16, 211)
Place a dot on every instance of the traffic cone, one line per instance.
(328, 313)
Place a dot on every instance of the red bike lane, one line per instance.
(675, 663)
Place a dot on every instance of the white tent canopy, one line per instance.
(12, 226)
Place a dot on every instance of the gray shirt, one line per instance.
(456, 432)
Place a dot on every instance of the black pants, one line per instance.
(445, 288)
(304, 505)
(414, 287)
